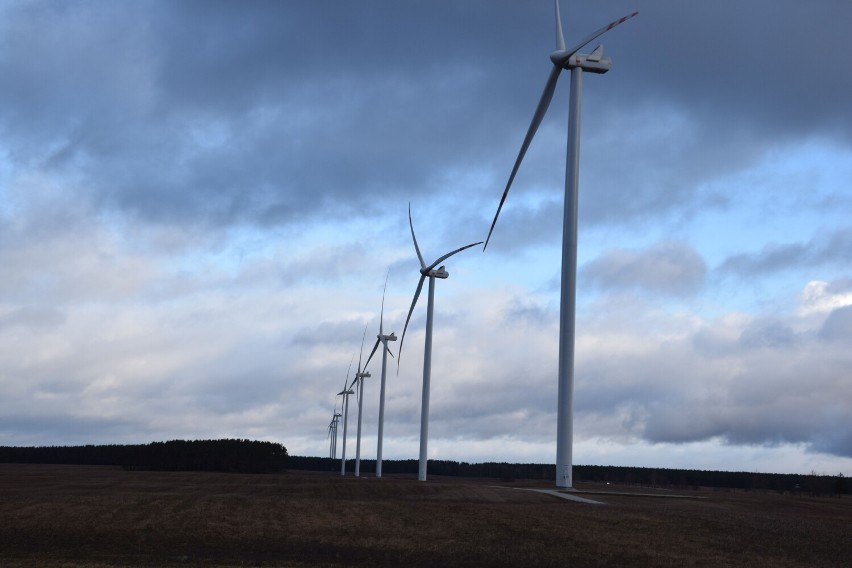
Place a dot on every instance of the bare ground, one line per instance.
(75, 516)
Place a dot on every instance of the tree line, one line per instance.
(248, 456)
(227, 455)
(813, 483)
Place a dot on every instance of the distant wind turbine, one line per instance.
(596, 63)
(345, 394)
(332, 434)
(383, 339)
(430, 272)
(359, 378)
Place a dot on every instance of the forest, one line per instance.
(227, 455)
(250, 456)
(814, 483)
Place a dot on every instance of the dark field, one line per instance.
(98, 516)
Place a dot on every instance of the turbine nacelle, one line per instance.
(439, 273)
(391, 337)
(595, 62)
(364, 375)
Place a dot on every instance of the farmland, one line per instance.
(88, 516)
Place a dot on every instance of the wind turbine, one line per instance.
(383, 339)
(332, 431)
(359, 378)
(332, 434)
(596, 63)
(430, 272)
(345, 394)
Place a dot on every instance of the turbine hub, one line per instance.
(557, 56)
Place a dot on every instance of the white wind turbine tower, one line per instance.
(383, 339)
(345, 394)
(430, 272)
(596, 63)
(359, 378)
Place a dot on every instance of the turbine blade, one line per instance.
(411, 309)
(417, 248)
(346, 380)
(448, 255)
(387, 348)
(560, 39)
(590, 37)
(376, 346)
(382, 313)
(360, 355)
(540, 111)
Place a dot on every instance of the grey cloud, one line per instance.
(268, 113)
(838, 246)
(621, 380)
(700, 44)
(772, 258)
(244, 121)
(765, 381)
(71, 266)
(668, 267)
(836, 438)
(667, 423)
(61, 428)
(773, 421)
(768, 333)
(839, 286)
(784, 393)
(821, 250)
(465, 408)
(330, 333)
(34, 318)
(529, 312)
(328, 264)
(837, 326)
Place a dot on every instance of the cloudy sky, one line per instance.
(199, 202)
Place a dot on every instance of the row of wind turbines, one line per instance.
(562, 58)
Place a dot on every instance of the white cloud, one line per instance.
(819, 297)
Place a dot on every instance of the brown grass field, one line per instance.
(77, 516)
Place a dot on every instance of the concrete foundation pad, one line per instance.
(564, 495)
